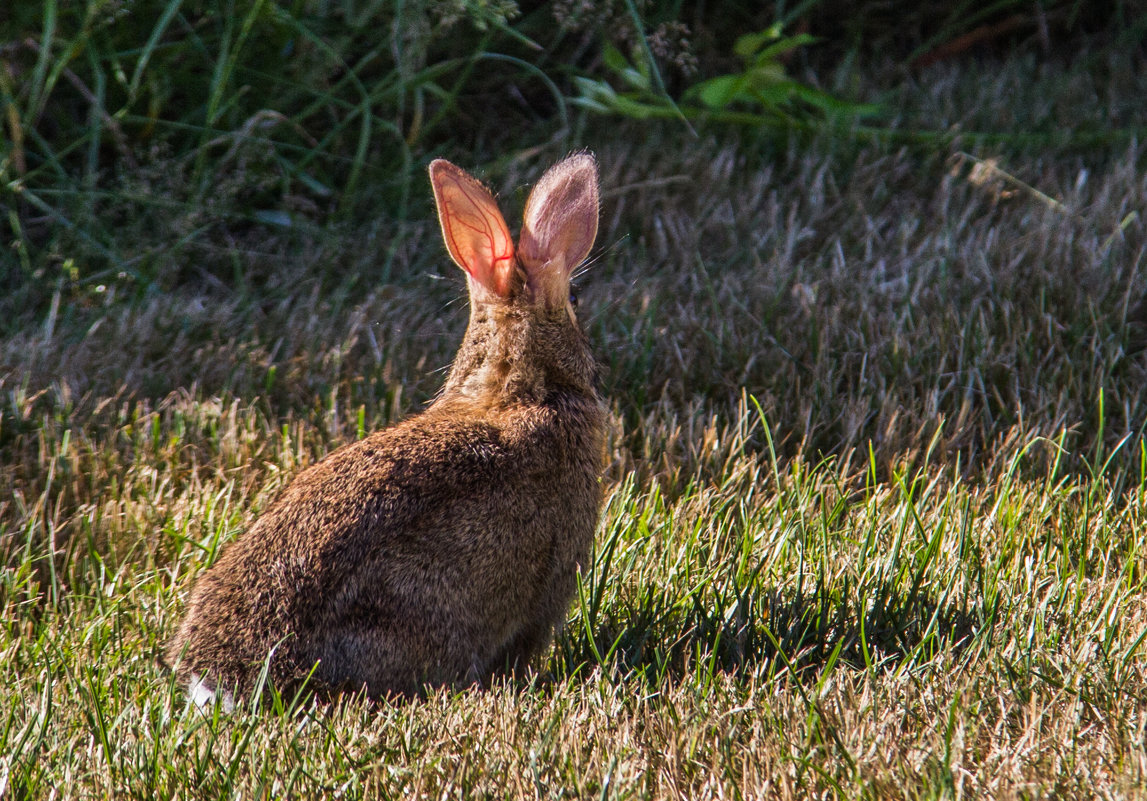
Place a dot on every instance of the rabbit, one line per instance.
(444, 550)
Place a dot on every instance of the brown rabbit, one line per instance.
(443, 550)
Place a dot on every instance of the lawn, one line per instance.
(876, 495)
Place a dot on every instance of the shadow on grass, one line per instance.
(802, 634)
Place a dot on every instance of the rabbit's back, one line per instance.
(432, 552)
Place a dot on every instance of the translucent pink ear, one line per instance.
(474, 230)
(560, 222)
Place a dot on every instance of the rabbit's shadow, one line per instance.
(799, 634)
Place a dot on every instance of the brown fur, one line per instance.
(444, 549)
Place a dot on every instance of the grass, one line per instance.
(877, 482)
(777, 628)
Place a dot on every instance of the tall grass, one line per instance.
(165, 142)
(142, 137)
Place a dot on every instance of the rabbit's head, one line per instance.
(523, 340)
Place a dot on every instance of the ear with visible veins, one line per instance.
(473, 227)
(559, 226)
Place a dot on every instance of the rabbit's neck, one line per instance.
(488, 355)
(509, 357)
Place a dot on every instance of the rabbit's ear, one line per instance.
(474, 230)
(560, 223)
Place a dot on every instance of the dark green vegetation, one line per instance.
(870, 314)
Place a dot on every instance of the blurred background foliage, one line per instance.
(151, 143)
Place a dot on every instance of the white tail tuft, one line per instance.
(203, 696)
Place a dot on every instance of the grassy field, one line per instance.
(876, 519)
